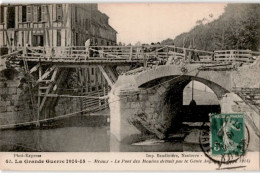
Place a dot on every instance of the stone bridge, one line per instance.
(150, 101)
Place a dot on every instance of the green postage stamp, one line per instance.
(227, 134)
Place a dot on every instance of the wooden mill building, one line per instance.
(55, 25)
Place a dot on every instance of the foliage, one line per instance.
(237, 28)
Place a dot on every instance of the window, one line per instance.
(29, 13)
(24, 13)
(39, 13)
(96, 74)
(23, 38)
(77, 39)
(58, 38)
(16, 36)
(76, 14)
(37, 40)
(2, 14)
(44, 12)
(92, 71)
(11, 17)
(59, 12)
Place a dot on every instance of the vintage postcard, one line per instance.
(130, 86)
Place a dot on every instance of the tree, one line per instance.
(237, 28)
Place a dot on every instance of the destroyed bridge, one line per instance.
(148, 97)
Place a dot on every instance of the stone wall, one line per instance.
(15, 100)
(232, 103)
(138, 109)
(145, 111)
(247, 76)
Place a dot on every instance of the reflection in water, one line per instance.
(67, 139)
(87, 134)
(84, 139)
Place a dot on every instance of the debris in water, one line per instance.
(150, 142)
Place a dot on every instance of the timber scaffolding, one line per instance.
(51, 63)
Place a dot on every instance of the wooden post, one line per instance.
(185, 54)
(104, 89)
(145, 61)
(131, 53)
(192, 89)
(81, 89)
(99, 101)
(167, 52)
(39, 95)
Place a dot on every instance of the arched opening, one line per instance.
(173, 104)
(198, 102)
(179, 108)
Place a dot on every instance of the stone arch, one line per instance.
(168, 100)
(213, 79)
(176, 79)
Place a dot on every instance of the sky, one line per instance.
(151, 22)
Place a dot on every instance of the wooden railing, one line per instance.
(149, 53)
(235, 55)
(96, 104)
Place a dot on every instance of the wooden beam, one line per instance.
(39, 93)
(35, 68)
(11, 54)
(111, 73)
(37, 29)
(66, 11)
(110, 82)
(61, 75)
(81, 77)
(53, 77)
(48, 37)
(54, 74)
(7, 39)
(48, 15)
(85, 79)
(46, 74)
(45, 96)
(50, 102)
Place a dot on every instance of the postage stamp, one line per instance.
(227, 134)
(225, 139)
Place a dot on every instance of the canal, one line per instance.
(92, 134)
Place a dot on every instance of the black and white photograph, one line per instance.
(130, 77)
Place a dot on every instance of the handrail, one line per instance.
(161, 52)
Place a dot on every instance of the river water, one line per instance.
(82, 139)
(92, 134)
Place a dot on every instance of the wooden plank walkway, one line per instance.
(77, 55)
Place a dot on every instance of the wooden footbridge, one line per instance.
(48, 66)
(108, 57)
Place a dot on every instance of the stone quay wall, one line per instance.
(16, 105)
(15, 100)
